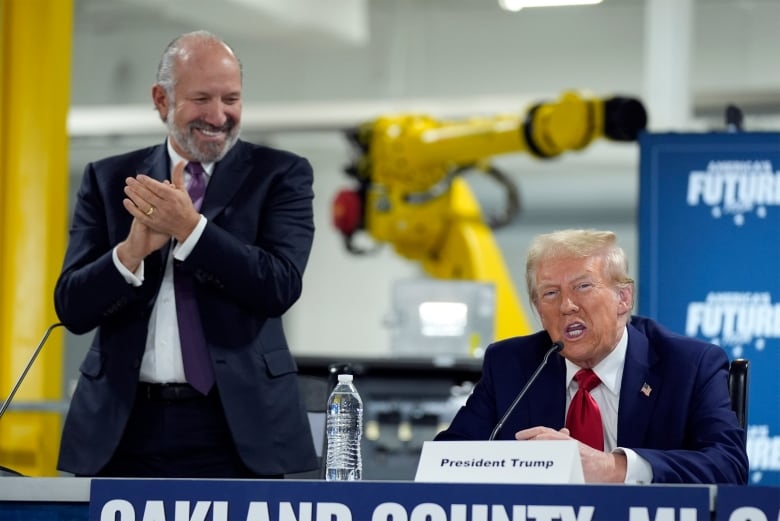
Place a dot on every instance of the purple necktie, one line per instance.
(195, 355)
(196, 186)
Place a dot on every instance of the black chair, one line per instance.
(314, 391)
(738, 389)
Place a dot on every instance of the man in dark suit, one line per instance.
(662, 405)
(221, 400)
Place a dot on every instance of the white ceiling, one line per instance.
(321, 64)
(343, 20)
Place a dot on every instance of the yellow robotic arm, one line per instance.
(411, 197)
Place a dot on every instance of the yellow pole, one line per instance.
(35, 48)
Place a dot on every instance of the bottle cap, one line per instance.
(345, 378)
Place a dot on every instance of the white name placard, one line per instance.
(505, 461)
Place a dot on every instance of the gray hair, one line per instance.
(567, 244)
(166, 74)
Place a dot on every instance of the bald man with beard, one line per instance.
(161, 270)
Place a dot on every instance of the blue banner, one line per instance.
(709, 259)
(264, 500)
(747, 503)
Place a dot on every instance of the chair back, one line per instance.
(738, 389)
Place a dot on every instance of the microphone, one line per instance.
(556, 347)
(3, 470)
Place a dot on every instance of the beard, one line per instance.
(208, 152)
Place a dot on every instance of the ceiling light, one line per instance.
(516, 5)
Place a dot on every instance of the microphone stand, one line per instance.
(4, 471)
(557, 346)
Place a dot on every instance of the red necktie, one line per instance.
(584, 418)
(194, 352)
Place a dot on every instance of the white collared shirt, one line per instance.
(607, 396)
(162, 360)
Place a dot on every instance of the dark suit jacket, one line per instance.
(248, 266)
(685, 428)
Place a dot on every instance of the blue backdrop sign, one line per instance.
(709, 259)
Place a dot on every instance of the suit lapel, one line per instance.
(226, 180)
(547, 397)
(157, 167)
(637, 398)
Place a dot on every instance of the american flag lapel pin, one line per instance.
(646, 389)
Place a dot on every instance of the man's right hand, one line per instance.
(597, 466)
(140, 242)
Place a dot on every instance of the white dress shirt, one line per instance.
(607, 396)
(162, 360)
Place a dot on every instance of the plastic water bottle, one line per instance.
(344, 425)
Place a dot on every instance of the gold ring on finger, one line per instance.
(150, 211)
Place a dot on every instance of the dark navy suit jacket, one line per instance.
(248, 266)
(684, 428)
